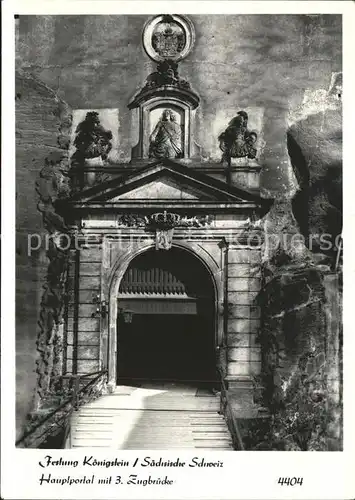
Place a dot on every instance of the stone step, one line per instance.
(204, 422)
(138, 411)
(207, 414)
(166, 447)
(95, 443)
(97, 440)
(176, 428)
(95, 420)
(92, 432)
(151, 419)
(212, 440)
(146, 395)
(217, 446)
(227, 448)
(211, 433)
(90, 445)
(207, 421)
(91, 423)
(145, 421)
(188, 403)
(104, 416)
(163, 406)
(175, 446)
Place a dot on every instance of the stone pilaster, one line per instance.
(243, 319)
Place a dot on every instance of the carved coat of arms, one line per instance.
(168, 42)
(164, 239)
(168, 37)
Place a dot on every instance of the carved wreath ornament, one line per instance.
(163, 223)
(163, 220)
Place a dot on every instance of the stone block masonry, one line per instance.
(243, 285)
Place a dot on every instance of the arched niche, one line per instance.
(147, 109)
(151, 114)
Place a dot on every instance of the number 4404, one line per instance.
(290, 481)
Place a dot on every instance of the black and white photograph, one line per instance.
(179, 235)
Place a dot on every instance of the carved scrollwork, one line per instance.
(196, 221)
(167, 219)
(132, 220)
(163, 220)
(163, 223)
(166, 82)
(167, 73)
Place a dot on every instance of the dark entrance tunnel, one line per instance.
(166, 320)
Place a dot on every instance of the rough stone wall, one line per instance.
(301, 333)
(315, 148)
(261, 63)
(300, 360)
(40, 145)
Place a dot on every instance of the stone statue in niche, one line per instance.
(92, 141)
(237, 141)
(165, 140)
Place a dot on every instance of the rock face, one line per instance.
(300, 360)
(42, 122)
(315, 148)
(301, 333)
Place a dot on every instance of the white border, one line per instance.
(246, 475)
(155, 7)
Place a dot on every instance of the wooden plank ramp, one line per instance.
(170, 417)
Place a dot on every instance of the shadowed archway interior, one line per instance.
(166, 319)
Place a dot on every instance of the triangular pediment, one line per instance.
(162, 181)
(163, 188)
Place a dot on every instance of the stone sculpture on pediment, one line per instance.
(92, 141)
(237, 141)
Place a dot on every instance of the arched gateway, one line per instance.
(166, 322)
(164, 278)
